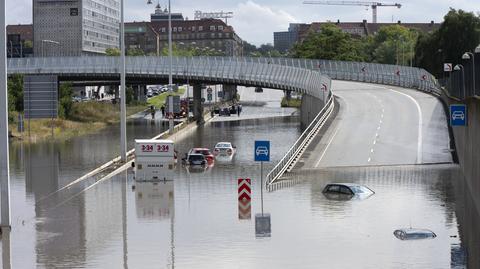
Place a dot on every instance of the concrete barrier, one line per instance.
(467, 144)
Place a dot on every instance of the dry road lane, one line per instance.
(382, 125)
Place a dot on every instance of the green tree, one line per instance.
(65, 94)
(459, 33)
(129, 95)
(331, 44)
(393, 44)
(112, 52)
(135, 52)
(15, 93)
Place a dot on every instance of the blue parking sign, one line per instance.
(262, 151)
(458, 115)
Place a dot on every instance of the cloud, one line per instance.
(256, 23)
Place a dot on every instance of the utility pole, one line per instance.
(170, 78)
(4, 160)
(123, 108)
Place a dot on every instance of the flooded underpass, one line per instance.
(196, 221)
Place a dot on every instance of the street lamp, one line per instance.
(459, 67)
(48, 42)
(471, 56)
(123, 106)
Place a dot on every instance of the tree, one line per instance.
(135, 52)
(15, 93)
(330, 44)
(459, 33)
(393, 45)
(65, 100)
(112, 51)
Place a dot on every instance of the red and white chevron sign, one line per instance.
(244, 189)
(244, 209)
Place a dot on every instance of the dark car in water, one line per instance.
(196, 159)
(346, 191)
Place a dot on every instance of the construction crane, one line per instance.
(213, 15)
(374, 5)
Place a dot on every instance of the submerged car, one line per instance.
(196, 159)
(205, 152)
(414, 234)
(346, 191)
(224, 148)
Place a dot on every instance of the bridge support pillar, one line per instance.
(310, 107)
(288, 95)
(140, 93)
(197, 104)
(229, 92)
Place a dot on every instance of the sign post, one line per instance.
(262, 154)
(262, 221)
(458, 115)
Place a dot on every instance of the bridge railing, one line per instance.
(396, 75)
(230, 70)
(300, 144)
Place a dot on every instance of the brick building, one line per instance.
(206, 34)
(19, 40)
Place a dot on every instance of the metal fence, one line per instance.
(240, 71)
(292, 155)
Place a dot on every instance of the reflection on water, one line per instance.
(195, 222)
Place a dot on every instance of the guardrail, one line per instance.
(292, 155)
(228, 70)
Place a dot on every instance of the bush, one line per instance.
(65, 103)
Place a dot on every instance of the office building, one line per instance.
(75, 27)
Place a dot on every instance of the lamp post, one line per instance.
(471, 56)
(49, 42)
(459, 67)
(170, 78)
(123, 106)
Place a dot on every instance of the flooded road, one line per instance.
(195, 221)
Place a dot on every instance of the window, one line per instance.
(212, 27)
(220, 28)
(193, 28)
(200, 28)
(163, 30)
(174, 29)
(179, 29)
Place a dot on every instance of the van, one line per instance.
(154, 160)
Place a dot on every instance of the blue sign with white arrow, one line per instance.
(262, 151)
(458, 115)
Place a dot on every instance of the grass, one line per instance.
(293, 102)
(159, 100)
(41, 129)
(88, 117)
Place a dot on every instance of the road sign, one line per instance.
(458, 115)
(244, 209)
(209, 97)
(244, 189)
(209, 90)
(262, 151)
(40, 98)
(447, 67)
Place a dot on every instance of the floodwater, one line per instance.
(195, 221)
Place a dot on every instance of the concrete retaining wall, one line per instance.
(309, 109)
(467, 143)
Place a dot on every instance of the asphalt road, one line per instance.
(382, 125)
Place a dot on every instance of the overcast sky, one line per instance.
(256, 20)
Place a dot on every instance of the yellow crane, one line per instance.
(373, 5)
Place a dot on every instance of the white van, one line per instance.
(154, 160)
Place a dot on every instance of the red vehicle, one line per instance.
(205, 152)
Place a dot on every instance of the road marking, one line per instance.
(371, 150)
(369, 159)
(420, 124)
(374, 141)
(326, 148)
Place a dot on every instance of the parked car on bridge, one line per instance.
(149, 93)
(258, 89)
(224, 148)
